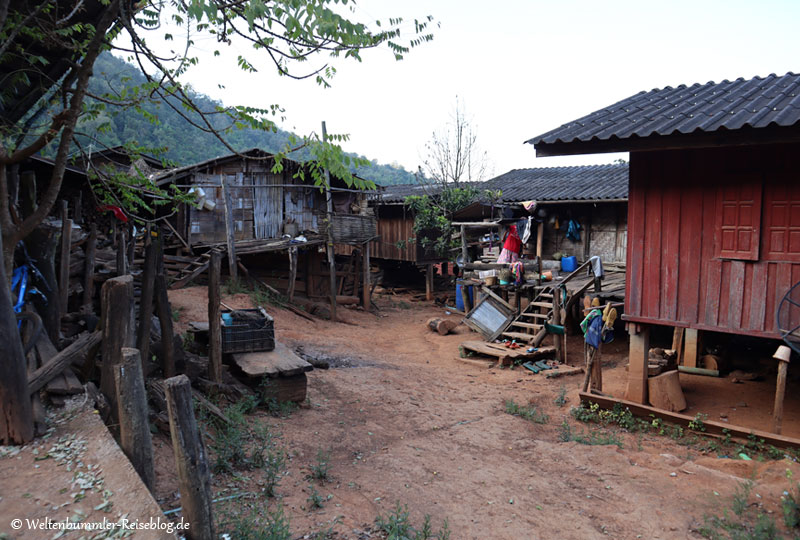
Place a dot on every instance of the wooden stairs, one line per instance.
(182, 270)
(531, 320)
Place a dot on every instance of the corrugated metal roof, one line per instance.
(758, 103)
(580, 183)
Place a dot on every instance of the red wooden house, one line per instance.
(714, 205)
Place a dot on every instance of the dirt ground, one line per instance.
(408, 422)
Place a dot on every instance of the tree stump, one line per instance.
(665, 392)
(443, 326)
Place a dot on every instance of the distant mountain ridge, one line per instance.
(186, 144)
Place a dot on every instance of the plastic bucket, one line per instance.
(460, 299)
(569, 264)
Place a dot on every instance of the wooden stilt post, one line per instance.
(331, 254)
(677, 343)
(292, 272)
(637, 364)
(190, 459)
(146, 297)
(16, 413)
(122, 251)
(692, 347)
(429, 282)
(164, 312)
(63, 273)
(783, 355)
(366, 299)
(229, 230)
(464, 244)
(214, 326)
(134, 424)
(116, 296)
(88, 269)
(557, 341)
(539, 238)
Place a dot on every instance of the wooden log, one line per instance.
(66, 246)
(664, 392)
(194, 476)
(710, 426)
(783, 356)
(699, 371)
(229, 231)
(442, 326)
(146, 299)
(164, 312)
(214, 325)
(116, 297)
(347, 300)
(134, 426)
(90, 252)
(56, 365)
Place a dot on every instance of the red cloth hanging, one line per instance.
(513, 242)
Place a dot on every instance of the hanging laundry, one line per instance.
(574, 231)
(528, 228)
(511, 247)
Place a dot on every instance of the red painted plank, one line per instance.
(724, 294)
(712, 284)
(691, 247)
(651, 283)
(670, 248)
(635, 248)
(736, 287)
(783, 282)
(758, 296)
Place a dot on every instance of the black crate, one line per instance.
(251, 330)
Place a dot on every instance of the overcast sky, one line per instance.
(521, 68)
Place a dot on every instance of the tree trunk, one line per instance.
(16, 415)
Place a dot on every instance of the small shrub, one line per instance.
(397, 526)
(564, 432)
(321, 469)
(597, 437)
(314, 499)
(530, 413)
(252, 526)
(561, 398)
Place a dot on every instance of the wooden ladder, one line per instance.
(532, 318)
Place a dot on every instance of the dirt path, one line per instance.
(410, 423)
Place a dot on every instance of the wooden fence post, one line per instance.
(164, 313)
(63, 272)
(190, 459)
(329, 245)
(229, 232)
(214, 328)
(146, 298)
(134, 425)
(637, 363)
(782, 355)
(122, 251)
(116, 297)
(88, 269)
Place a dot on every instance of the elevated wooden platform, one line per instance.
(503, 354)
(284, 370)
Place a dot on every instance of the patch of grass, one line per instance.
(397, 526)
(253, 525)
(561, 398)
(790, 505)
(741, 521)
(321, 469)
(530, 413)
(236, 286)
(176, 313)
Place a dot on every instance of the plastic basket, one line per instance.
(250, 330)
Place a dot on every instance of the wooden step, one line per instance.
(519, 336)
(526, 325)
(547, 305)
(535, 315)
(545, 295)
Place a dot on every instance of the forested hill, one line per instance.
(185, 144)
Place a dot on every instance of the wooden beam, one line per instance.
(66, 245)
(677, 343)
(194, 476)
(164, 312)
(90, 251)
(122, 251)
(464, 255)
(214, 326)
(710, 426)
(539, 238)
(637, 364)
(134, 425)
(146, 297)
(366, 296)
(229, 230)
(692, 347)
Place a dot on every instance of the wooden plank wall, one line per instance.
(674, 277)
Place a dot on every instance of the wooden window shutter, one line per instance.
(781, 236)
(739, 220)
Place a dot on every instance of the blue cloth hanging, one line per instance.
(574, 231)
